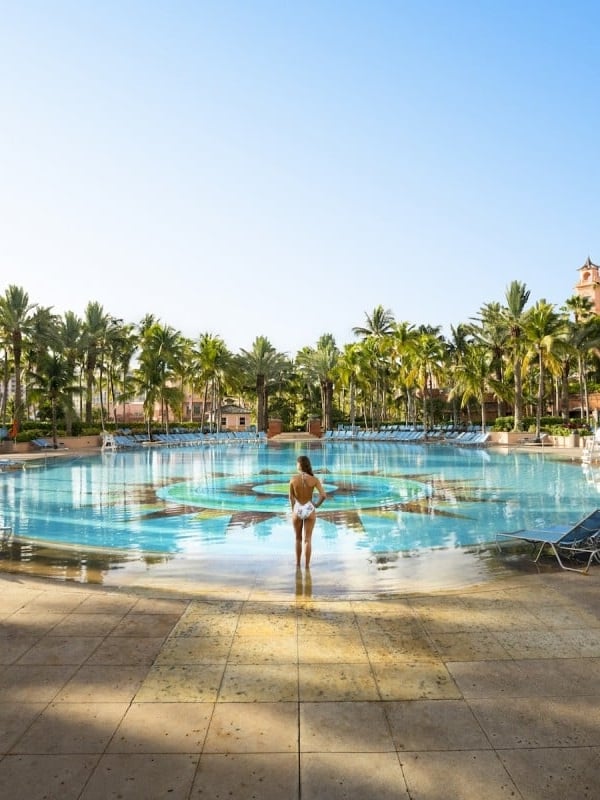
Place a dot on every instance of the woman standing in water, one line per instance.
(302, 488)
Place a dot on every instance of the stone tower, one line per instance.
(589, 283)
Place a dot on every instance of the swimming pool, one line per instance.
(228, 504)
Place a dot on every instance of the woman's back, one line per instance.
(303, 486)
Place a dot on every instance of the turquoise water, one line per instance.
(230, 499)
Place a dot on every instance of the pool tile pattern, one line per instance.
(140, 693)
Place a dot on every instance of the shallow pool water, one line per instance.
(386, 502)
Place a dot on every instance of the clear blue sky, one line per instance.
(280, 168)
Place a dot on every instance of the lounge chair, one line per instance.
(581, 539)
(47, 444)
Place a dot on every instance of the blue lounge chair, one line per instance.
(47, 444)
(581, 539)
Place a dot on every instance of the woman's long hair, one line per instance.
(305, 465)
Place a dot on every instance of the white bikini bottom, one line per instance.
(303, 510)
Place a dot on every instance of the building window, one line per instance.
(223, 422)
(242, 422)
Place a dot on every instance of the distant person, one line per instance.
(302, 488)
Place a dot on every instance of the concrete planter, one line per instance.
(70, 442)
(572, 440)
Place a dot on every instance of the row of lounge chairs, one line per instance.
(128, 441)
(397, 434)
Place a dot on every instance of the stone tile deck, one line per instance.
(490, 692)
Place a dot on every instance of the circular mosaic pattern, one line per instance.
(256, 492)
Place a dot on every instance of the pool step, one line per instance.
(294, 436)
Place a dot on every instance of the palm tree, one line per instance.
(377, 332)
(489, 330)
(262, 365)
(349, 369)
(94, 330)
(514, 319)
(54, 383)
(545, 333)
(471, 375)
(70, 332)
(119, 348)
(16, 324)
(160, 358)
(379, 323)
(427, 357)
(319, 364)
(402, 345)
(213, 361)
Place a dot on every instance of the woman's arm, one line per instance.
(321, 491)
(292, 496)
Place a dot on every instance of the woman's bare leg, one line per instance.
(309, 525)
(297, 523)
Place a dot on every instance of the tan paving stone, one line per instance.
(120, 651)
(481, 679)
(564, 617)
(72, 728)
(259, 683)
(188, 683)
(527, 722)
(344, 727)
(12, 600)
(115, 603)
(102, 684)
(337, 682)
(260, 776)
(263, 626)
(162, 728)
(156, 605)
(32, 623)
(556, 773)
(146, 625)
(352, 776)
(368, 611)
(61, 650)
(503, 614)
(15, 718)
(215, 607)
(12, 647)
(460, 775)
(406, 646)
(27, 683)
(421, 725)
(265, 728)
(264, 650)
(469, 646)
(195, 650)
(535, 644)
(55, 602)
(131, 776)
(86, 624)
(582, 642)
(44, 777)
(328, 624)
(205, 625)
(331, 649)
(415, 680)
(466, 613)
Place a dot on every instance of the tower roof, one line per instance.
(589, 264)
